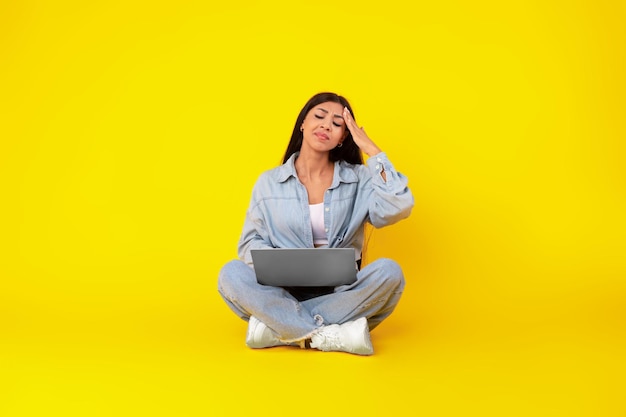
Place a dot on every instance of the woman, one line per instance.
(321, 196)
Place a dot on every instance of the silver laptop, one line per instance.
(304, 267)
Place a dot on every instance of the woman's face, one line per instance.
(323, 127)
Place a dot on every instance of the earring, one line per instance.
(340, 145)
(301, 129)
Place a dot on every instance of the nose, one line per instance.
(325, 124)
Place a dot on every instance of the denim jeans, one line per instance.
(374, 295)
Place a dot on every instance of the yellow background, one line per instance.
(131, 133)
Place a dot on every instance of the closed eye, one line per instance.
(317, 116)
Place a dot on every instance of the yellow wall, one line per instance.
(131, 134)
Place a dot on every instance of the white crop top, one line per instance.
(317, 224)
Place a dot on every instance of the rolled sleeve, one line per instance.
(392, 200)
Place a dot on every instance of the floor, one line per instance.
(175, 349)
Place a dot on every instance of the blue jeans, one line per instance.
(374, 295)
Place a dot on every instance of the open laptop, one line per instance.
(304, 267)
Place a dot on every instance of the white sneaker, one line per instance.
(260, 336)
(351, 337)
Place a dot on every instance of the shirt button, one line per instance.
(379, 160)
(327, 209)
(377, 166)
(326, 230)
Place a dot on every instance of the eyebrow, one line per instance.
(326, 111)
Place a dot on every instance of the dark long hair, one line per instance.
(348, 151)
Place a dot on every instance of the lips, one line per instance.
(322, 135)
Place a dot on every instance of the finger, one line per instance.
(346, 115)
(348, 119)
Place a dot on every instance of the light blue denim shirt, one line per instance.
(279, 216)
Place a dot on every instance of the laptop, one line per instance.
(304, 267)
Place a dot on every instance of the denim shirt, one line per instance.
(279, 216)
